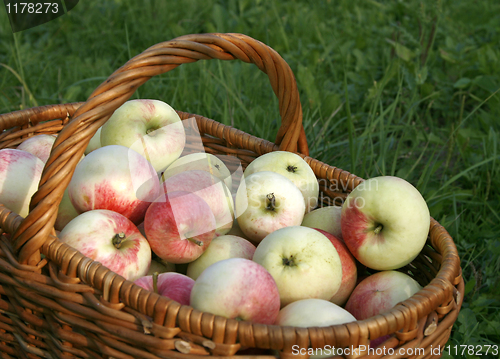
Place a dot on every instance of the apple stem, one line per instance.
(155, 282)
(152, 129)
(118, 239)
(291, 168)
(378, 229)
(272, 201)
(195, 241)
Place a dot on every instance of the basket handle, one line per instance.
(70, 144)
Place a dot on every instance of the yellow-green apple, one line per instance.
(39, 145)
(267, 201)
(293, 167)
(379, 293)
(313, 312)
(236, 231)
(385, 222)
(95, 142)
(223, 247)
(325, 218)
(172, 285)
(66, 211)
(211, 189)
(159, 267)
(200, 161)
(150, 127)
(179, 226)
(20, 174)
(349, 270)
(237, 288)
(302, 261)
(111, 239)
(115, 178)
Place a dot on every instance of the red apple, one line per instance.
(172, 285)
(179, 226)
(114, 178)
(111, 239)
(211, 189)
(237, 288)
(349, 269)
(379, 293)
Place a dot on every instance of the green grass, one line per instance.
(405, 88)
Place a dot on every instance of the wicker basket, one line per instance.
(56, 303)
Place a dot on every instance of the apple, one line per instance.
(236, 231)
(314, 312)
(223, 247)
(111, 239)
(237, 288)
(200, 161)
(349, 269)
(302, 261)
(172, 285)
(293, 167)
(39, 145)
(95, 142)
(385, 222)
(211, 189)
(267, 201)
(179, 226)
(379, 293)
(66, 212)
(115, 178)
(20, 174)
(325, 218)
(150, 127)
(159, 267)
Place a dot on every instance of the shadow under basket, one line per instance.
(57, 303)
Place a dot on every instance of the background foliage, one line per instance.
(405, 88)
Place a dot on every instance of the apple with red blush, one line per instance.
(349, 269)
(115, 178)
(172, 285)
(149, 127)
(385, 222)
(111, 239)
(237, 288)
(179, 226)
(209, 188)
(379, 293)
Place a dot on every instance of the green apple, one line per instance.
(385, 222)
(266, 201)
(325, 218)
(150, 127)
(200, 161)
(302, 261)
(293, 167)
(223, 247)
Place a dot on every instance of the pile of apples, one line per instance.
(254, 248)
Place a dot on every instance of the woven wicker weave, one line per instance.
(56, 303)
